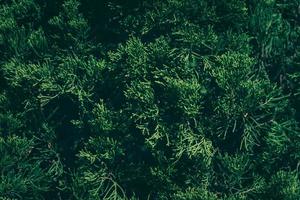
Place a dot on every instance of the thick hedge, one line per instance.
(156, 99)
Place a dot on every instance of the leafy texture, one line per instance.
(140, 100)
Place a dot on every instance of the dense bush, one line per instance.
(158, 99)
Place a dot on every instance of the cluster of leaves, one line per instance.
(160, 99)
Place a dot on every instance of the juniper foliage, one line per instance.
(160, 99)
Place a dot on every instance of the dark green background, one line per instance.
(149, 100)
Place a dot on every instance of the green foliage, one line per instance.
(161, 99)
(285, 185)
(22, 175)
